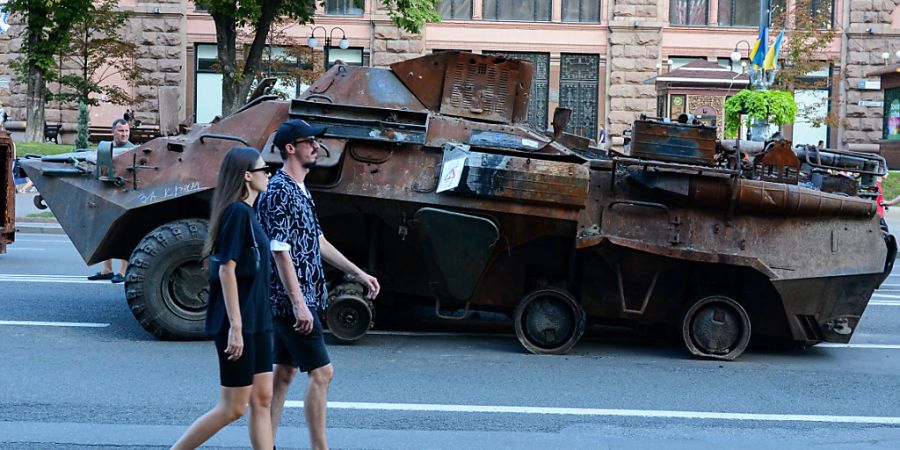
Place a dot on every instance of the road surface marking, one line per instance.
(872, 346)
(28, 278)
(645, 413)
(53, 324)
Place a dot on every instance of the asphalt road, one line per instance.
(77, 371)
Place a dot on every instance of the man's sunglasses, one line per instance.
(265, 168)
(300, 141)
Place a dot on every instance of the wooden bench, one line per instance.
(51, 132)
(139, 135)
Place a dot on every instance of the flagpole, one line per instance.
(764, 25)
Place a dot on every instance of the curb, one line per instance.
(27, 227)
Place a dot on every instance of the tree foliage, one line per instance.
(412, 15)
(95, 52)
(805, 51)
(257, 15)
(47, 26)
(240, 69)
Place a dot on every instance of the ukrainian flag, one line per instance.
(772, 56)
(757, 53)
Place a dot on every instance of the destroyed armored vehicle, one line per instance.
(431, 179)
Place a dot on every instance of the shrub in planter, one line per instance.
(776, 107)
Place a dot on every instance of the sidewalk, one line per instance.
(25, 224)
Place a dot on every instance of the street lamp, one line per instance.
(736, 53)
(312, 42)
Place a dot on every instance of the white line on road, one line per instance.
(872, 346)
(29, 278)
(53, 324)
(708, 415)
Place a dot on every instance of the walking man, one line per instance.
(121, 132)
(288, 215)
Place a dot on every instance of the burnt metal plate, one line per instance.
(693, 144)
(361, 122)
(524, 179)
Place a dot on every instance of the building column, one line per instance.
(635, 41)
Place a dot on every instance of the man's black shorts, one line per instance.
(256, 358)
(304, 351)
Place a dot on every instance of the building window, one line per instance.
(688, 12)
(823, 12)
(519, 10)
(739, 13)
(208, 84)
(455, 9)
(678, 61)
(581, 11)
(816, 13)
(344, 7)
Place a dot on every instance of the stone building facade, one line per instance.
(595, 56)
(158, 28)
(873, 31)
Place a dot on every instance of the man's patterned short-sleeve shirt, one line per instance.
(288, 214)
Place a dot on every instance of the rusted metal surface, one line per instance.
(778, 164)
(431, 181)
(7, 192)
(481, 87)
(671, 141)
(164, 179)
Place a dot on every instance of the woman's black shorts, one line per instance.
(304, 351)
(257, 358)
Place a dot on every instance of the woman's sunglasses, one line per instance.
(260, 169)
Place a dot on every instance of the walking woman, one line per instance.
(238, 316)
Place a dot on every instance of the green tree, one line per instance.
(84, 116)
(96, 51)
(805, 51)
(47, 26)
(240, 71)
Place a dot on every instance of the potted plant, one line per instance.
(763, 107)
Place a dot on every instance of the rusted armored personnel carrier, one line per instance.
(433, 181)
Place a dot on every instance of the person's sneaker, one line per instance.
(117, 278)
(101, 276)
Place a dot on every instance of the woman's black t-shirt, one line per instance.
(253, 292)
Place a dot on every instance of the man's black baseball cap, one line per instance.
(294, 129)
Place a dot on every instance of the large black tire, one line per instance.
(166, 288)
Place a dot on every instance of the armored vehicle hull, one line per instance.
(432, 181)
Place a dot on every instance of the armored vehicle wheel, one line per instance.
(166, 287)
(716, 327)
(549, 321)
(349, 315)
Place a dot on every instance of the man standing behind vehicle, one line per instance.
(121, 132)
(288, 216)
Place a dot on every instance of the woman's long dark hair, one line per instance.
(230, 187)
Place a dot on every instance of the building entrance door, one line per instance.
(579, 77)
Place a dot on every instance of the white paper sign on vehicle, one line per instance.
(451, 174)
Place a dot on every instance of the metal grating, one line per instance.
(540, 86)
(480, 90)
